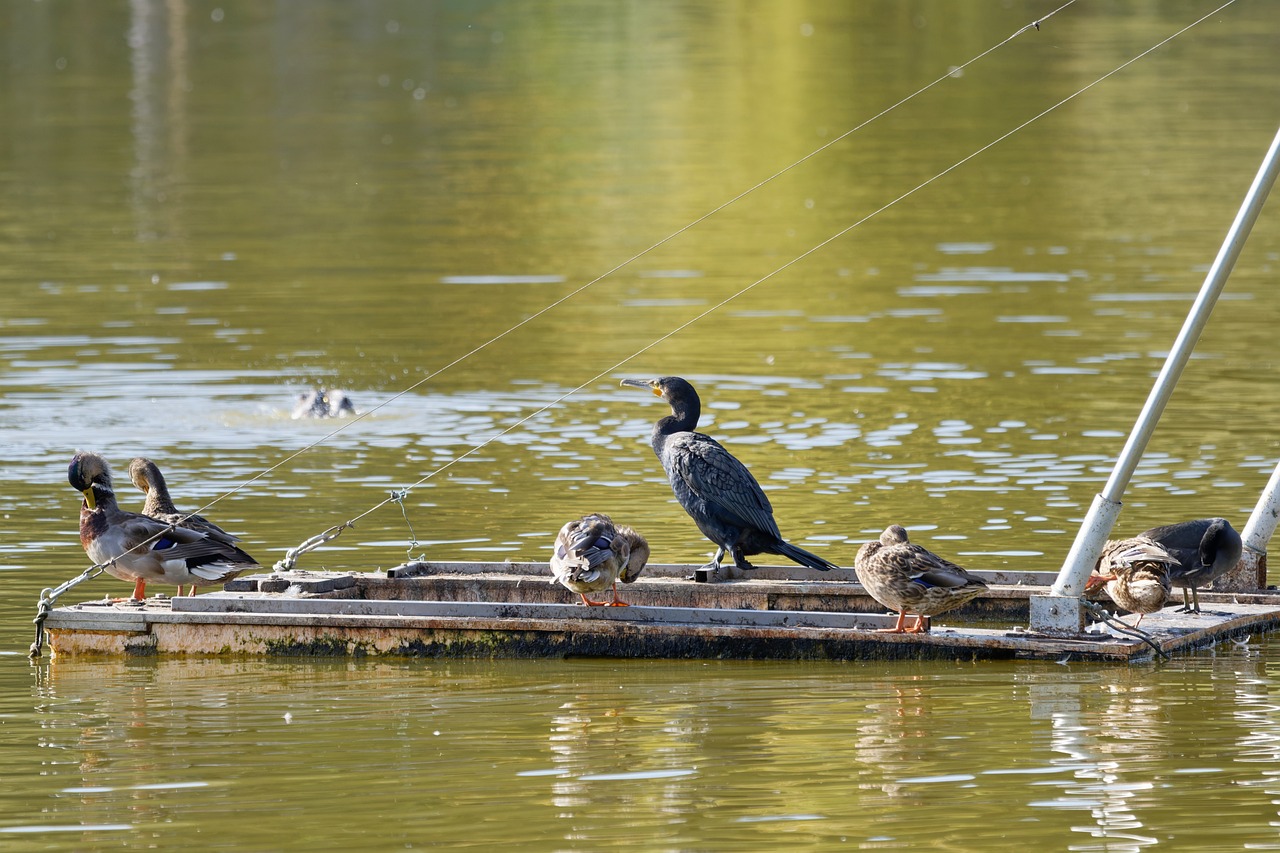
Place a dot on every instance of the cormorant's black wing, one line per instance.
(715, 476)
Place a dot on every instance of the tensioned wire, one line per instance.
(951, 72)
(399, 495)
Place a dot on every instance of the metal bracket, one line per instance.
(1057, 614)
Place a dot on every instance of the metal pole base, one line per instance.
(1057, 614)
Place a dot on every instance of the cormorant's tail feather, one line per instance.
(803, 557)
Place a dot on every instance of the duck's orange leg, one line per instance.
(617, 602)
(140, 590)
(919, 626)
(591, 603)
(897, 628)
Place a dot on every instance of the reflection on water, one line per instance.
(641, 753)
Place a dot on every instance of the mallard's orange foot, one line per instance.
(591, 603)
(1097, 582)
(616, 603)
(898, 627)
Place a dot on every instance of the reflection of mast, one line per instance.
(160, 83)
(1100, 786)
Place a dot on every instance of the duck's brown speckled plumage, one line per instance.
(1135, 574)
(912, 579)
(141, 549)
(592, 554)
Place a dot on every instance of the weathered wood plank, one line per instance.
(227, 602)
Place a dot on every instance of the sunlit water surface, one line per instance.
(210, 210)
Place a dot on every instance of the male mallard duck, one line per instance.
(906, 577)
(321, 403)
(1206, 549)
(1135, 573)
(593, 553)
(146, 475)
(718, 491)
(137, 548)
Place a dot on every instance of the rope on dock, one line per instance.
(291, 556)
(1111, 621)
(48, 596)
(399, 496)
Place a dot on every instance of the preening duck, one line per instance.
(146, 475)
(592, 554)
(1135, 573)
(140, 549)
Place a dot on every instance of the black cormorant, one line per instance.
(1206, 549)
(717, 490)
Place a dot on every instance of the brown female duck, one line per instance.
(592, 554)
(910, 578)
(1135, 573)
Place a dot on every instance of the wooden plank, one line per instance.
(227, 602)
(63, 618)
(310, 627)
(1000, 603)
(312, 634)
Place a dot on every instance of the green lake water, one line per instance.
(211, 207)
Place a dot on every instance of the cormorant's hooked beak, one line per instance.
(651, 384)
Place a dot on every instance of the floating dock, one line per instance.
(512, 610)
